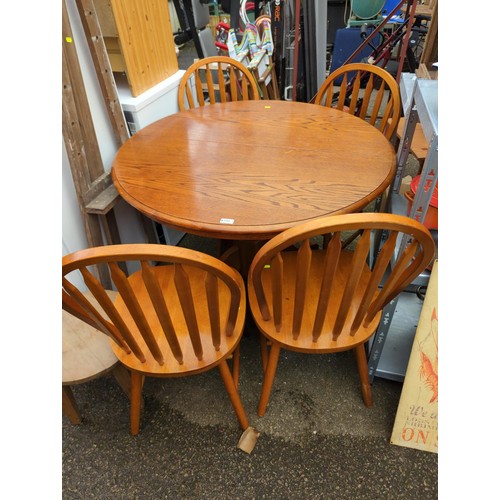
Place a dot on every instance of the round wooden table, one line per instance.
(251, 169)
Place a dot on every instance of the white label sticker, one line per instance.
(227, 221)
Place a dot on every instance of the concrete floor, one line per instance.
(317, 438)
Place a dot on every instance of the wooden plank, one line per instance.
(430, 49)
(146, 41)
(95, 40)
(105, 17)
(91, 182)
(79, 138)
(78, 128)
(73, 86)
(422, 72)
(97, 187)
(103, 202)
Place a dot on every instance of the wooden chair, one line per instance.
(199, 86)
(330, 300)
(181, 313)
(366, 91)
(86, 355)
(369, 92)
(200, 83)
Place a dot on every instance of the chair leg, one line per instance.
(230, 255)
(69, 406)
(326, 239)
(122, 376)
(234, 397)
(236, 367)
(363, 374)
(136, 382)
(272, 364)
(264, 354)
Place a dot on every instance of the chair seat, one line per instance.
(86, 352)
(171, 367)
(304, 342)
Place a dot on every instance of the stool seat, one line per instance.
(86, 355)
(86, 352)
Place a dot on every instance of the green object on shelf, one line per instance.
(363, 11)
(367, 9)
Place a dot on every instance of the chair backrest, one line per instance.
(366, 91)
(181, 305)
(216, 79)
(320, 294)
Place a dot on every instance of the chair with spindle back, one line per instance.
(201, 83)
(181, 313)
(331, 300)
(370, 93)
(366, 91)
(199, 86)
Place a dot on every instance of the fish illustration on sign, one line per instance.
(429, 369)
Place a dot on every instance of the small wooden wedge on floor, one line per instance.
(248, 439)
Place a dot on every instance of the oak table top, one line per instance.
(248, 170)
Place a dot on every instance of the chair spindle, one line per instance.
(303, 266)
(129, 298)
(105, 302)
(185, 295)
(331, 262)
(277, 290)
(358, 265)
(160, 306)
(212, 291)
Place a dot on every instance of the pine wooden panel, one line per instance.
(146, 42)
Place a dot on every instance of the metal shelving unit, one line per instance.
(391, 345)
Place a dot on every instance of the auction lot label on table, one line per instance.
(416, 424)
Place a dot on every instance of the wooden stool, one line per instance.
(86, 355)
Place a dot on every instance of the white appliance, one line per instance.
(157, 102)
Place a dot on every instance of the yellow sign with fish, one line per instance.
(416, 424)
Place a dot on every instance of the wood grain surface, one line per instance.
(248, 170)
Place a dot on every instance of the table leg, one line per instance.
(247, 250)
